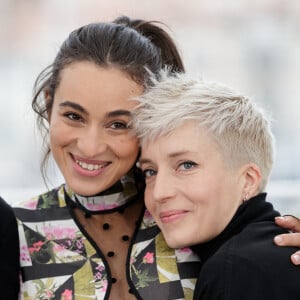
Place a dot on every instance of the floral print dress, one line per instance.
(59, 262)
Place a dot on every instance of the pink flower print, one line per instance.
(47, 295)
(148, 258)
(104, 286)
(24, 254)
(36, 247)
(31, 250)
(148, 219)
(70, 233)
(186, 250)
(31, 204)
(59, 232)
(97, 206)
(98, 274)
(67, 295)
(132, 260)
(79, 244)
(100, 268)
(58, 248)
(101, 206)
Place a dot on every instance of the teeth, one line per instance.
(90, 167)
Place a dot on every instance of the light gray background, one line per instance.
(251, 45)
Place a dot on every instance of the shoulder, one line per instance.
(255, 242)
(8, 220)
(5, 208)
(251, 261)
(254, 246)
(52, 198)
(49, 205)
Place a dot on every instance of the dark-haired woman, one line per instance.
(91, 237)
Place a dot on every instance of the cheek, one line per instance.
(148, 201)
(127, 147)
(206, 187)
(198, 191)
(59, 135)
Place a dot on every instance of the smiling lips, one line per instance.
(172, 215)
(88, 167)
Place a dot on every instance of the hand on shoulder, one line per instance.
(291, 239)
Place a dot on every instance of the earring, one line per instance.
(246, 197)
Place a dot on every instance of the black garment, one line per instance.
(243, 262)
(9, 253)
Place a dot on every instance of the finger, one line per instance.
(288, 222)
(295, 258)
(288, 239)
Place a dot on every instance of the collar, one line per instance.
(115, 198)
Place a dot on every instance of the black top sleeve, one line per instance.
(9, 253)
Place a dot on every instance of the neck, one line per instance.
(254, 210)
(115, 198)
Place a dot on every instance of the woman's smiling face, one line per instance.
(190, 191)
(90, 138)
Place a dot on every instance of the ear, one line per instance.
(252, 180)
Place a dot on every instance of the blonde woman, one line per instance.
(207, 153)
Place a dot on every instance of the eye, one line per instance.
(187, 165)
(149, 173)
(73, 116)
(119, 125)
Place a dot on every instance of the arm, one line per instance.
(9, 253)
(291, 239)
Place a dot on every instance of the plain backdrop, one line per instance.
(250, 45)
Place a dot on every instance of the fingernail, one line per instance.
(296, 258)
(278, 240)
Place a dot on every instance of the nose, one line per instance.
(92, 141)
(163, 187)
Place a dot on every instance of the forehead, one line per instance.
(88, 81)
(189, 137)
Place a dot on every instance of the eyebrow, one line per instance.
(119, 112)
(171, 155)
(74, 106)
(111, 114)
(178, 153)
(144, 161)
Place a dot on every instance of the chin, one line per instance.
(85, 191)
(175, 244)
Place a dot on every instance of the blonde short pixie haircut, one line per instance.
(239, 127)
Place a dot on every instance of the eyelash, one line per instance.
(182, 164)
(73, 116)
(118, 125)
(147, 171)
(191, 163)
